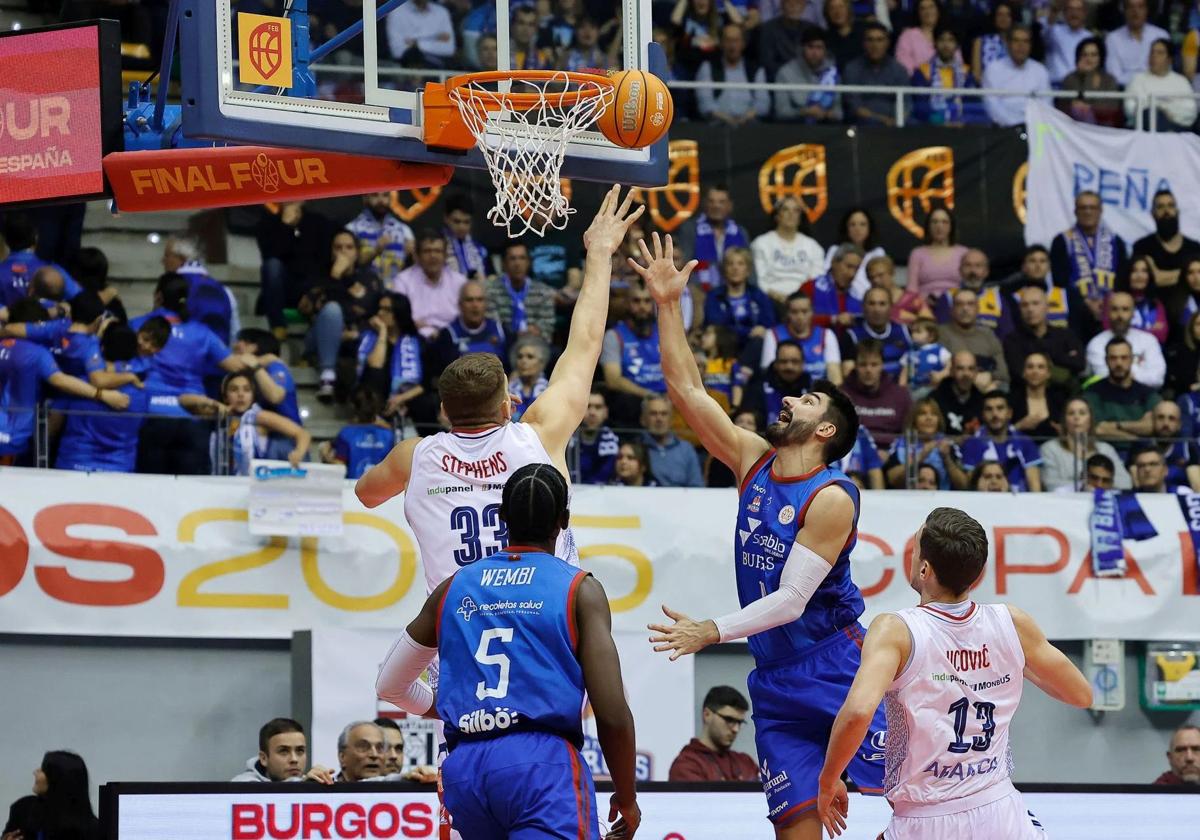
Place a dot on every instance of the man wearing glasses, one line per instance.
(362, 752)
(709, 757)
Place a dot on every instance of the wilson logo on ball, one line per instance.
(640, 112)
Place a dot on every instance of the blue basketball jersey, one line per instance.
(506, 640)
(770, 514)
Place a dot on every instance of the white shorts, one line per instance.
(1004, 819)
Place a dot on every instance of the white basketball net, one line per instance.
(525, 147)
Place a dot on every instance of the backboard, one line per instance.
(361, 98)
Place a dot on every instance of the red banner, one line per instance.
(183, 179)
(51, 118)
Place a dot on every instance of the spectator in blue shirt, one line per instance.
(24, 368)
(530, 356)
(785, 377)
(104, 440)
(1180, 455)
(673, 461)
(364, 443)
(471, 332)
(737, 304)
(877, 323)
(209, 302)
(171, 442)
(999, 441)
(18, 268)
(925, 442)
(596, 443)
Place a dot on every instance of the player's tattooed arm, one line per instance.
(737, 448)
(389, 477)
(558, 412)
(885, 650)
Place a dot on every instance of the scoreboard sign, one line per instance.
(60, 111)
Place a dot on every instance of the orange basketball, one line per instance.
(640, 112)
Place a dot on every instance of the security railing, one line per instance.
(900, 95)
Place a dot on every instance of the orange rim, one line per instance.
(525, 101)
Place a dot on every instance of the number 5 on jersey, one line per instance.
(483, 657)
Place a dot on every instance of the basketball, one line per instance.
(641, 110)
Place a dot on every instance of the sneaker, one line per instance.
(325, 389)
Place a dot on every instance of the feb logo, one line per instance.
(917, 183)
(678, 201)
(795, 172)
(1018, 191)
(409, 204)
(265, 47)
(265, 173)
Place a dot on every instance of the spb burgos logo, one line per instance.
(917, 183)
(678, 201)
(264, 50)
(795, 172)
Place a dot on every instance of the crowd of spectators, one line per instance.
(1142, 47)
(1086, 357)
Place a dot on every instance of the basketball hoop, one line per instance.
(522, 122)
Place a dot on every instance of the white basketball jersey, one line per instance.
(948, 712)
(453, 498)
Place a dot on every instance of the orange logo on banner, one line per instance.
(682, 192)
(1019, 181)
(423, 199)
(921, 180)
(264, 50)
(795, 172)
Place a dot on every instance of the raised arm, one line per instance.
(1046, 666)
(557, 413)
(737, 448)
(614, 722)
(884, 652)
(389, 477)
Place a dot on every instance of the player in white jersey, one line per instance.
(454, 479)
(950, 674)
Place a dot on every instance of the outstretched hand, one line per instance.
(684, 636)
(607, 230)
(833, 806)
(664, 281)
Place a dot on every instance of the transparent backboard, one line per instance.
(364, 96)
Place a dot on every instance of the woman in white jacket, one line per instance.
(1176, 114)
(1063, 458)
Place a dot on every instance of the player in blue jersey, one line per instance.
(521, 635)
(797, 524)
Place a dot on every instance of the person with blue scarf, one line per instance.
(708, 236)
(530, 355)
(520, 303)
(1089, 256)
(737, 304)
(812, 66)
(946, 70)
(389, 355)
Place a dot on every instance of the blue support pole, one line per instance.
(303, 83)
(164, 65)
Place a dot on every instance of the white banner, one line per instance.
(372, 814)
(346, 662)
(1125, 167)
(158, 556)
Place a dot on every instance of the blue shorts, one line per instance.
(524, 786)
(795, 703)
